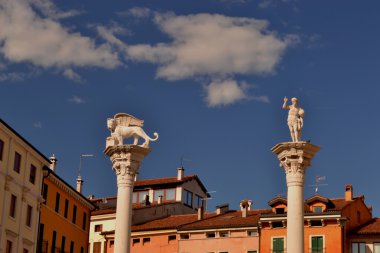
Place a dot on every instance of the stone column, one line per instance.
(295, 157)
(126, 161)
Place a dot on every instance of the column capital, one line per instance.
(295, 157)
(126, 161)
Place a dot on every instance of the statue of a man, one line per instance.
(295, 118)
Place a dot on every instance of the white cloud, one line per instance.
(225, 92)
(26, 36)
(49, 9)
(72, 75)
(263, 99)
(212, 45)
(12, 76)
(76, 100)
(137, 12)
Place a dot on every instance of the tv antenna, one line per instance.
(318, 180)
(183, 159)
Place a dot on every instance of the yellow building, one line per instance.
(21, 172)
(65, 216)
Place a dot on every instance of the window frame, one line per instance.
(13, 206)
(17, 162)
(273, 250)
(358, 244)
(32, 174)
(188, 195)
(311, 243)
(29, 214)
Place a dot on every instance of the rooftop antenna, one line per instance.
(207, 198)
(79, 179)
(183, 159)
(318, 180)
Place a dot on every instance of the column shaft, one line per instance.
(295, 224)
(124, 214)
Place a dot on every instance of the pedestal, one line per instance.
(295, 157)
(126, 161)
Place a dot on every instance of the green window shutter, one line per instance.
(317, 244)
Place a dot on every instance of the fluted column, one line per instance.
(295, 157)
(126, 161)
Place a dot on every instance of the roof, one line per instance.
(73, 191)
(24, 140)
(167, 181)
(112, 209)
(230, 219)
(277, 199)
(372, 227)
(317, 198)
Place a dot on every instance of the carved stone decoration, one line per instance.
(124, 126)
(295, 118)
(126, 160)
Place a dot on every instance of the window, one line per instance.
(25, 251)
(358, 247)
(53, 241)
(139, 197)
(65, 214)
(278, 245)
(277, 224)
(99, 228)
(45, 192)
(317, 244)
(1, 149)
(135, 241)
(17, 162)
(97, 247)
(224, 234)
(74, 220)
(57, 199)
(184, 236)
(376, 248)
(280, 210)
(170, 194)
(29, 212)
(32, 175)
(316, 223)
(198, 201)
(210, 235)
(158, 193)
(146, 240)
(172, 238)
(12, 207)
(188, 198)
(9, 247)
(71, 247)
(63, 242)
(81, 250)
(84, 222)
(317, 209)
(252, 233)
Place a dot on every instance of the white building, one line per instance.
(20, 189)
(152, 199)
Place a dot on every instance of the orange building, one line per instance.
(327, 223)
(365, 238)
(65, 217)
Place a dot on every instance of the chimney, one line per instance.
(159, 200)
(91, 197)
(221, 209)
(245, 205)
(180, 173)
(79, 184)
(349, 193)
(53, 162)
(200, 213)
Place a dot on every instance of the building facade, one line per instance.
(65, 217)
(153, 199)
(327, 223)
(21, 173)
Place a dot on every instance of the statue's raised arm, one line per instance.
(295, 118)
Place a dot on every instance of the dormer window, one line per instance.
(280, 210)
(317, 209)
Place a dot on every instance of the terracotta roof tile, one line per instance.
(371, 227)
(229, 219)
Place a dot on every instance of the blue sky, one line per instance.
(209, 77)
